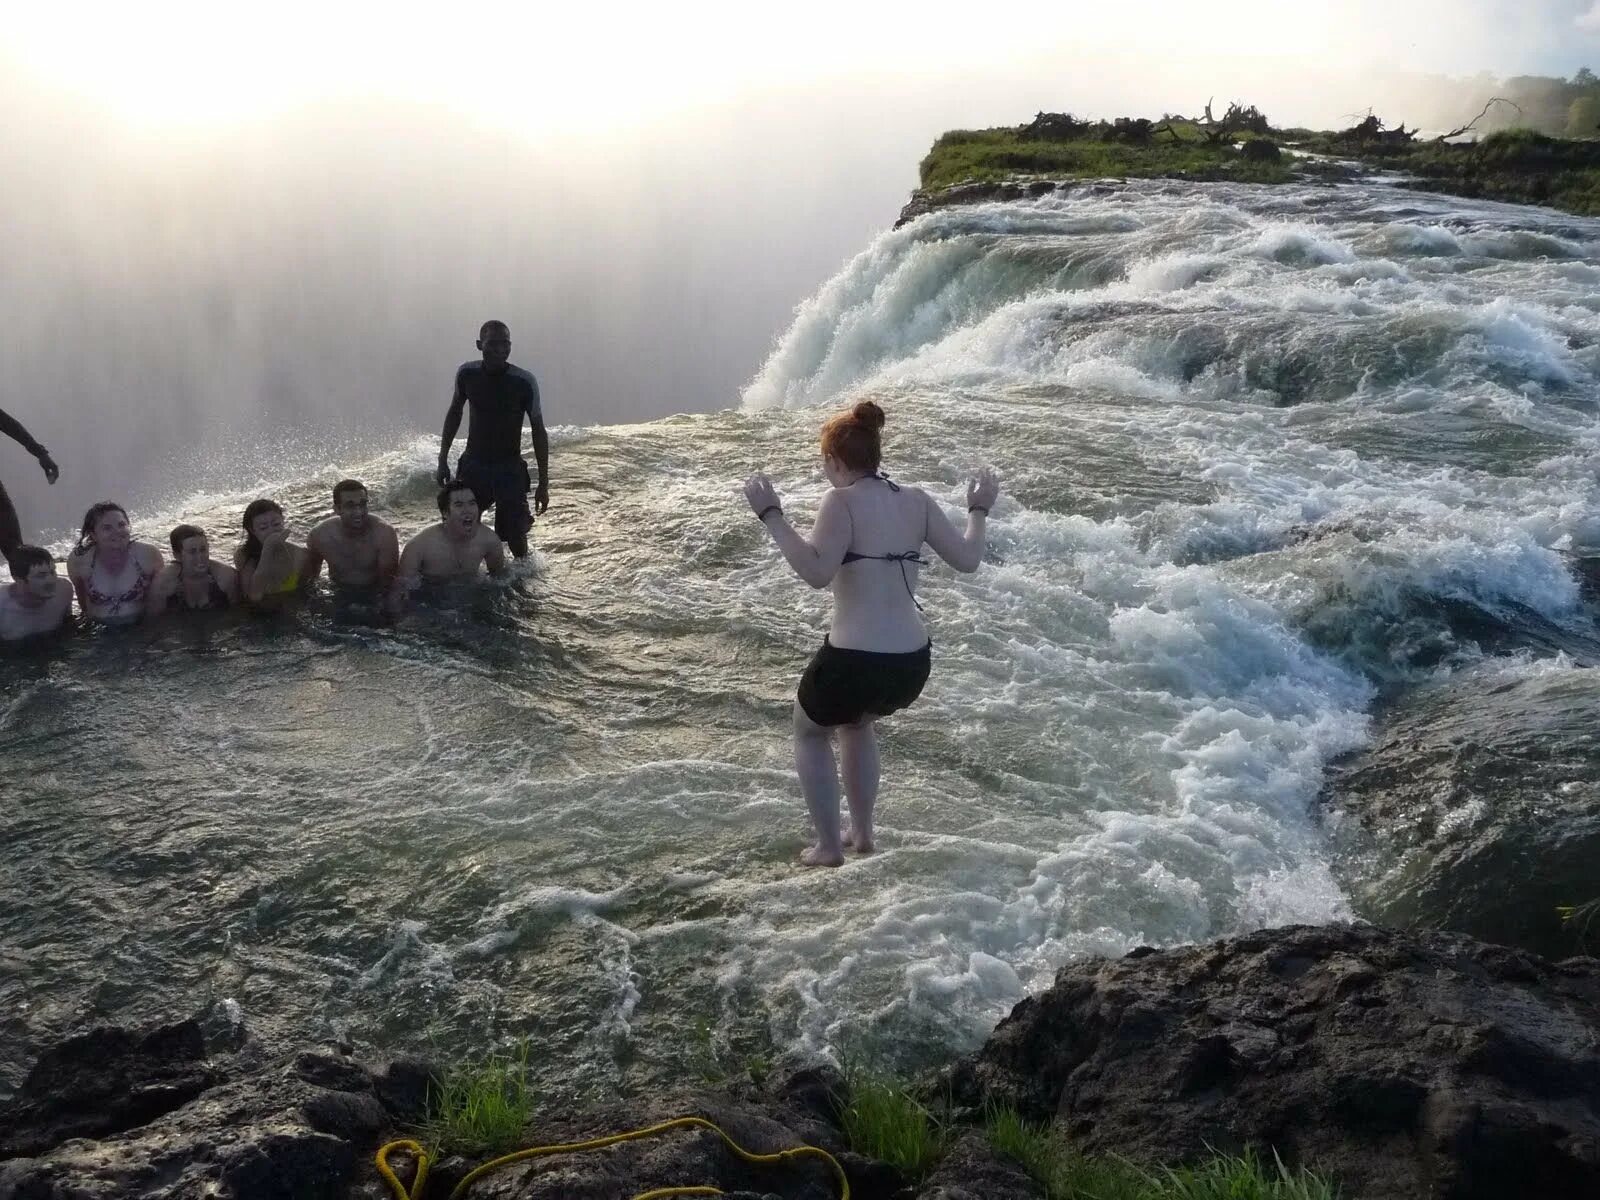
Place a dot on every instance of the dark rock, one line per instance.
(974, 1171)
(1477, 807)
(1403, 1065)
(103, 1082)
(305, 1165)
(868, 1176)
(328, 1071)
(352, 1116)
(1260, 150)
(404, 1087)
(922, 202)
(171, 1123)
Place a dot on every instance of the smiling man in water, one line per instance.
(361, 551)
(38, 602)
(453, 549)
(500, 396)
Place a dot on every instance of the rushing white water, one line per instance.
(1268, 454)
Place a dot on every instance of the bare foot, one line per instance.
(859, 845)
(816, 856)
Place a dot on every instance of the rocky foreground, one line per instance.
(1401, 1064)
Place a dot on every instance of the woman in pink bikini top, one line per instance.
(110, 571)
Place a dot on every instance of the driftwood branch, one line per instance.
(1444, 137)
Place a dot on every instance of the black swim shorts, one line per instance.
(504, 485)
(841, 687)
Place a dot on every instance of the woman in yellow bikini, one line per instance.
(270, 565)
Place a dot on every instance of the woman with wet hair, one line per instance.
(192, 582)
(270, 565)
(111, 572)
(867, 545)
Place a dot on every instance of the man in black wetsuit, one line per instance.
(10, 527)
(500, 396)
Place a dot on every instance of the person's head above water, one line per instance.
(190, 549)
(494, 343)
(458, 507)
(35, 569)
(851, 446)
(262, 518)
(350, 503)
(105, 527)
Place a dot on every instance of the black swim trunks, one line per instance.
(841, 687)
(505, 485)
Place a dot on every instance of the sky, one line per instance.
(546, 70)
(244, 241)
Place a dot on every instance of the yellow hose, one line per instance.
(421, 1155)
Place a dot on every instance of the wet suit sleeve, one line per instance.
(12, 427)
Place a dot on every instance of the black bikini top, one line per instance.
(909, 556)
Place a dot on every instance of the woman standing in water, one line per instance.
(111, 572)
(867, 544)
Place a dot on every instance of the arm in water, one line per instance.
(12, 428)
(267, 577)
(964, 551)
(388, 558)
(494, 552)
(408, 574)
(815, 559)
(541, 451)
(452, 423)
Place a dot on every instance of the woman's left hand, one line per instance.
(758, 490)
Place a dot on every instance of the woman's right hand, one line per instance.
(983, 489)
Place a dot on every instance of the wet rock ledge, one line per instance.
(1401, 1064)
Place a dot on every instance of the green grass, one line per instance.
(719, 1068)
(883, 1120)
(1065, 1173)
(1579, 918)
(1519, 166)
(481, 1107)
(994, 154)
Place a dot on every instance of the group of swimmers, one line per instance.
(874, 661)
(119, 580)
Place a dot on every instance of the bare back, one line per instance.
(873, 608)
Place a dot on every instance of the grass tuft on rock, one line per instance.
(883, 1120)
(1066, 1173)
(481, 1107)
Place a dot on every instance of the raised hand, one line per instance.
(51, 471)
(983, 489)
(758, 490)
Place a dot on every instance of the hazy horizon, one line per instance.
(205, 281)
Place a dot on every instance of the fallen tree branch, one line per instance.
(1444, 137)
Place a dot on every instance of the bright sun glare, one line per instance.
(172, 64)
(186, 63)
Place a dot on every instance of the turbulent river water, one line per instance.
(1273, 458)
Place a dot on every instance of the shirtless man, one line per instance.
(10, 527)
(361, 551)
(453, 549)
(38, 602)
